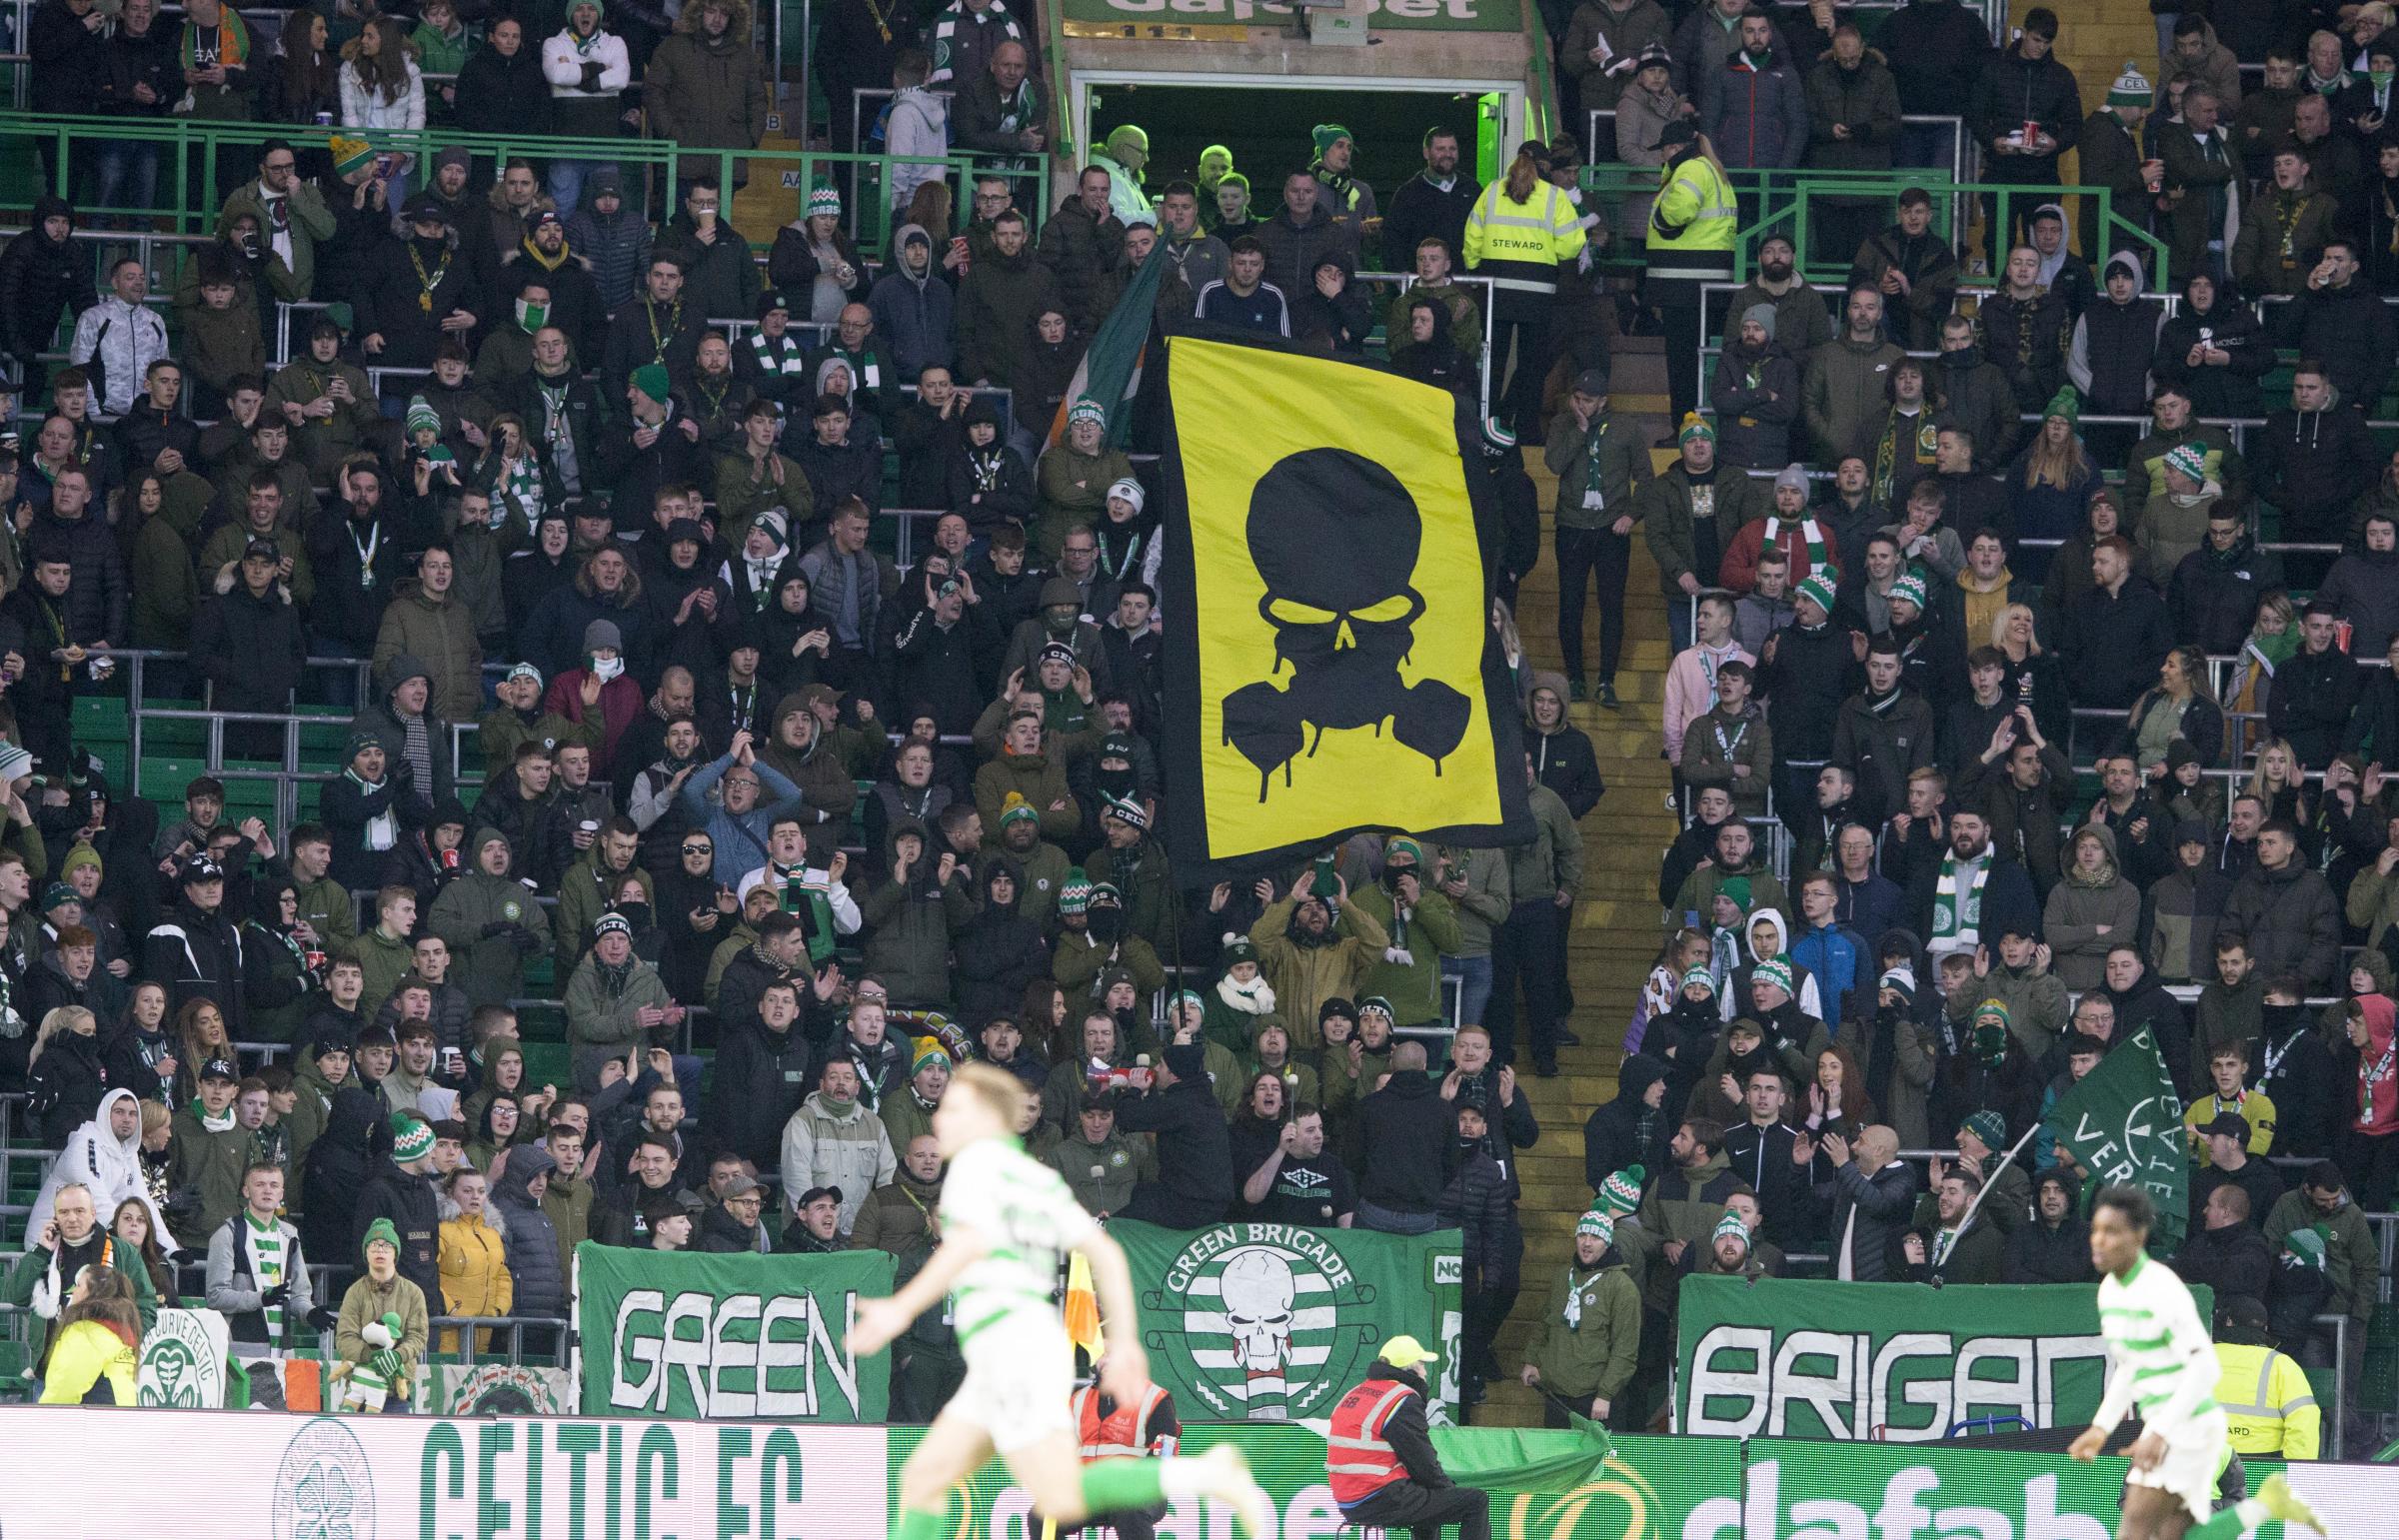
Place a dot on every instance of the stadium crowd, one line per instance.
(786, 831)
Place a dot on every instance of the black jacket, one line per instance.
(761, 1079)
(335, 1172)
(1420, 209)
(1195, 1149)
(40, 276)
(1810, 674)
(2213, 598)
(2036, 1253)
(2314, 465)
(2235, 1261)
(1883, 1206)
(2007, 899)
(1402, 1128)
(2314, 694)
(96, 602)
(409, 331)
(998, 952)
(2014, 91)
(1614, 1138)
(2112, 645)
(1565, 762)
(2351, 332)
(2216, 390)
(251, 649)
(409, 1201)
(198, 956)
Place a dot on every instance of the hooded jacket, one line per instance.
(912, 310)
(111, 1168)
(2364, 587)
(2373, 1105)
(1404, 1128)
(40, 276)
(704, 91)
(1000, 950)
(533, 1258)
(2088, 914)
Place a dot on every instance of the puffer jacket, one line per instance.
(2291, 922)
(534, 1263)
(475, 1277)
(1756, 115)
(848, 1149)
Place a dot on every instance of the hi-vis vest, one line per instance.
(1695, 212)
(2269, 1407)
(1122, 1434)
(1358, 1461)
(1522, 245)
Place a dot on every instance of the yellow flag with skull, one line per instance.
(1334, 668)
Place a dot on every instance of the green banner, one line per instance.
(1897, 1362)
(697, 1334)
(1380, 15)
(2122, 1124)
(1271, 1323)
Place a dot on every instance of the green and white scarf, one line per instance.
(264, 1243)
(1956, 908)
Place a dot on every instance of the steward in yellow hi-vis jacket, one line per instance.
(1521, 230)
(1692, 231)
(2267, 1400)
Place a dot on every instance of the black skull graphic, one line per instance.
(1336, 539)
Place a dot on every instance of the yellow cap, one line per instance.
(1406, 1353)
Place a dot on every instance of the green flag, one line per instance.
(2123, 1124)
(1525, 1459)
(1110, 369)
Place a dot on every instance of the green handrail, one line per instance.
(194, 209)
(1782, 198)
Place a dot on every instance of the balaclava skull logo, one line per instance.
(1335, 538)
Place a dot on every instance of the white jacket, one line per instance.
(361, 108)
(824, 1149)
(126, 338)
(109, 1166)
(562, 66)
(919, 125)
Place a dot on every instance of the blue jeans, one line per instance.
(1393, 1221)
(1474, 987)
(1926, 145)
(1678, 620)
(130, 167)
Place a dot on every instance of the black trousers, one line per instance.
(1583, 554)
(1523, 316)
(1680, 308)
(1524, 953)
(1422, 1511)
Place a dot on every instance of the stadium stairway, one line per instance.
(1616, 925)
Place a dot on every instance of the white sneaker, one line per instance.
(1225, 1477)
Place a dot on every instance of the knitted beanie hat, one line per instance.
(1817, 589)
(1620, 1194)
(2131, 89)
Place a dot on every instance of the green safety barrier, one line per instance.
(202, 162)
(1792, 202)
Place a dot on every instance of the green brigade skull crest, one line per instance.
(1266, 1322)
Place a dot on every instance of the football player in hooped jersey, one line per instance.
(1006, 1221)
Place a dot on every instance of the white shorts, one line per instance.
(2194, 1458)
(1020, 1381)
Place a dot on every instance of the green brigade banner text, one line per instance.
(1895, 1361)
(267, 1476)
(695, 1334)
(1271, 1323)
(1336, 661)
